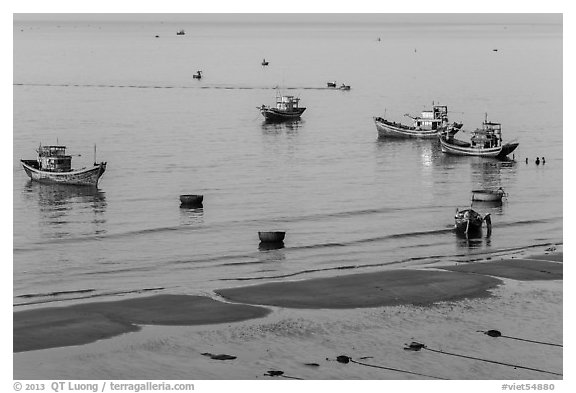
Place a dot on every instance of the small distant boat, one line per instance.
(484, 142)
(428, 125)
(54, 166)
(272, 237)
(189, 200)
(331, 84)
(344, 87)
(197, 75)
(180, 32)
(468, 221)
(286, 109)
(488, 195)
(264, 62)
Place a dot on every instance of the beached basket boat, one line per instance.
(191, 200)
(272, 237)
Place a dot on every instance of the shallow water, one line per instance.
(344, 197)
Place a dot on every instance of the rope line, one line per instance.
(395, 369)
(492, 361)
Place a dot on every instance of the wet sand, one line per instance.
(377, 289)
(85, 323)
(517, 269)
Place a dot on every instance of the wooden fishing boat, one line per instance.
(488, 195)
(54, 166)
(484, 142)
(180, 32)
(468, 221)
(331, 84)
(286, 109)
(264, 62)
(344, 87)
(272, 237)
(197, 75)
(428, 125)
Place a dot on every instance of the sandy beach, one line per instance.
(300, 327)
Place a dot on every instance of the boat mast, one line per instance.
(94, 154)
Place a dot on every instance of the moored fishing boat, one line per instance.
(54, 166)
(286, 109)
(468, 221)
(425, 126)
(484, 142)
(488, 195)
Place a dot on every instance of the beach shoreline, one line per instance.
(78, 327)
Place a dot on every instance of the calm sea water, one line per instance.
(344, 197)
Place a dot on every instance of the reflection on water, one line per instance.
(271, 252)
(64, 208)
(474, 240)
(191, 216)
(277, 127)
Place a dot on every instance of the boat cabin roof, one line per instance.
(52, 150)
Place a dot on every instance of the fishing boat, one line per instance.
(428, 125)
(190, 200)
(488, 195)
(344, 87)
(272, 237)
(197, 75)
(286, 109)
(180, 32)
(468, 221)
(54, 166)
(264, 62)
(484, 142)
(331, 84)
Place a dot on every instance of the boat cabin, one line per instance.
(490, 135)
(287, 103)
(53, 158)
(432, 120)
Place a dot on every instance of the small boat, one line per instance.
(331, 84)
(286, 109)
(180, 32)
(428, 125)
(264, 62)
(488, 195)
(189, 200)
(272, 237)
(344, 87)
(468, 221)
(54, 166)
(197, 75)
(484, 142)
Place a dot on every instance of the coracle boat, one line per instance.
(190, 200)
(488, 195)
(468, 221)
(484, 142)
(54, 166)
(286, 109)
(426, 126)
(272, 237)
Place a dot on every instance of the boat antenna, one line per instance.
(94, 154)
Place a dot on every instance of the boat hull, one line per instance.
(387, 130)
(272, 114)
(460, 148)
(487, 195)
(84, 177)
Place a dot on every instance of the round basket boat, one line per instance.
(271, 237)
(488, 195)
(191, 200)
